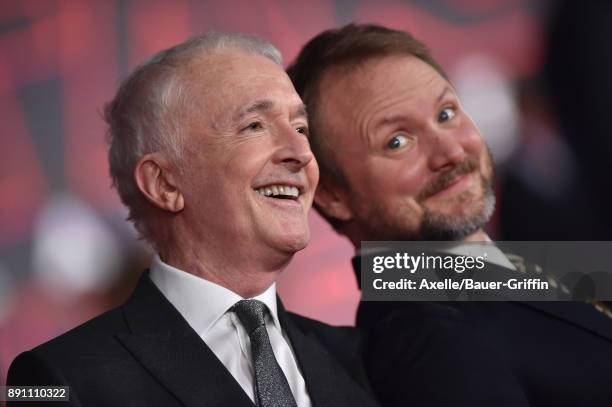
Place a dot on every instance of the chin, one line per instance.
(290, 236)
(295, 243)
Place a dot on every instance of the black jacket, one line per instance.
(476, 354)
(145, 354)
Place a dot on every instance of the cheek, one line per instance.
(244, 162)
(475, 146)
(387, 178)
(312, 177)
(197, 180)
(312, 172)
(219, 180)
(472, 141)
(486, 164)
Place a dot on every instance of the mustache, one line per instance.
(447, 178)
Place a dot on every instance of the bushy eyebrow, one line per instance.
(262, 105)
(443, 93)
(300, 112)
(266, 105)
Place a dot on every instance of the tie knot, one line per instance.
(251, 313)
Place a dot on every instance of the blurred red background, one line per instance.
(66, 252)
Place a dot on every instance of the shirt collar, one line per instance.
(199, 301)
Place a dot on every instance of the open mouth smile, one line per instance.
(279, 191)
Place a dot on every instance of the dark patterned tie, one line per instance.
(272, 388)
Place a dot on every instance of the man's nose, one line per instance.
(445, 150)
(293, 149)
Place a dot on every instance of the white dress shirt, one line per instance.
(205, 305)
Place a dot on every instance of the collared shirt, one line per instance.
(205, 305)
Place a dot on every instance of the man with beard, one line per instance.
(401, 160)
(209, 151)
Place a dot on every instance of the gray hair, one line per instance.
(145, 115)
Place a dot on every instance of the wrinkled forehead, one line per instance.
(223, 83)
(356, 92)
(229, 70)
(376, 76)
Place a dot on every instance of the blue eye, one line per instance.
(397, 142)
(446, 114)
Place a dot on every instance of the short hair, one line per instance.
(145, 115)
(345, 48)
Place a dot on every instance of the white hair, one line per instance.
(145, 114)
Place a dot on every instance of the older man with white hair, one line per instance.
(209, 151)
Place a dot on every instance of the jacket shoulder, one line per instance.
(95, 331)
(81, 347)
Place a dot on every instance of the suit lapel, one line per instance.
(581, 314)
(326, 381)
(174, 354)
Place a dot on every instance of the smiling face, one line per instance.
(248, 175)
(415, 164)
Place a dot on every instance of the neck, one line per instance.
(246, 271)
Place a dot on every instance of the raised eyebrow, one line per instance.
(446, 90)
(390, 120)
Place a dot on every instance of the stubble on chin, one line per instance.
(450, 226)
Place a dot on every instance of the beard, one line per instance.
(442, 227)
(405, 222)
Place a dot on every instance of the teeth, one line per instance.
(279, 190)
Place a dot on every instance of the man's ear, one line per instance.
(156, 181)
(333, 201)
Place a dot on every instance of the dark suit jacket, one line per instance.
(476, 354)
(145, 354)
